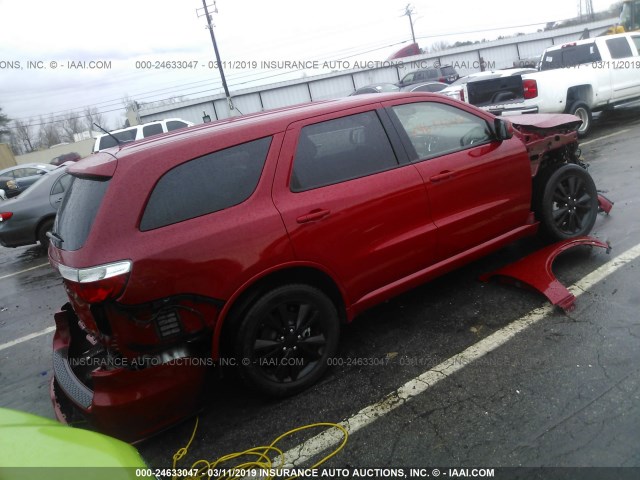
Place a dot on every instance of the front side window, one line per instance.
(341, 149)
(408, 77)
(25, 172)
(436, 129)
(206, 184)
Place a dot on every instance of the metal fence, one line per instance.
(498, 54)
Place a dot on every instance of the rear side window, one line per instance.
(174, 125)
(150, 130)
(205, 185)
(61, 184)
(125, 136)
(78, 211)
(339, 150)
(619, 47)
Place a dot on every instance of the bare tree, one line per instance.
(91, 116)
(25, 135)
(49, 132)
(4, 121)
(70, 125)
(439, 46)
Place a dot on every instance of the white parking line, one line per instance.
(26, 338)
(619, 132)
(331, 438)
(22, 271)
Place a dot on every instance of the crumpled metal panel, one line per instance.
(535, 271)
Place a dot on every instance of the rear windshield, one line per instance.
(448, 70)
(77, 212)
(570, 56)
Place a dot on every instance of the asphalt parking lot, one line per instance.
(506, 388)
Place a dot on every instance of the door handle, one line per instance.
(447, 174)
(313, 216)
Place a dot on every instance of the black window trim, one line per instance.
(155, 185)
(394, 141)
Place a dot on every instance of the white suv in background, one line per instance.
(137, 132)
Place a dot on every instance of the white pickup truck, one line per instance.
(579, 78)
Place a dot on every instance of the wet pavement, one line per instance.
(565, 392)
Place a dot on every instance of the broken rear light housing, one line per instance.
(96, 284)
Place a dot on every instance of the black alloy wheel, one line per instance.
(569, 203)
(286, 339)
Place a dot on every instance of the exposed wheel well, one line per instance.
(306, 275)
(583, 93)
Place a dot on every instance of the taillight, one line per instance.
(462, 95)
(96, 284)
(530, 87)
(5, 216)
(442, 79)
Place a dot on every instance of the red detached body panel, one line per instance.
(536, 271)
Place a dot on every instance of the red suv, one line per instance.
(249, 241)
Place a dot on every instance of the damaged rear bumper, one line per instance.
(130, 404)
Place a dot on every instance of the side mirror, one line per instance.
(503, 129)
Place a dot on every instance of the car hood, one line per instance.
(544, 121)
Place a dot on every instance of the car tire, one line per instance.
(567, 205)
(45, 227)
(583, 112)
(285, 340)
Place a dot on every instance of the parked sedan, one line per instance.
(65, 157)
(26, 219)
(28, 174)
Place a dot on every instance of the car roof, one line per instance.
(204, 138)
(587, 41)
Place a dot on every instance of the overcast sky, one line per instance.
(125, 32)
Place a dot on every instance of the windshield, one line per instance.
(625, 15)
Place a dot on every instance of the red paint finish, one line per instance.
(535, 270)
(363, 238)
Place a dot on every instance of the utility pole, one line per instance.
(215, 49)
(408, 12)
